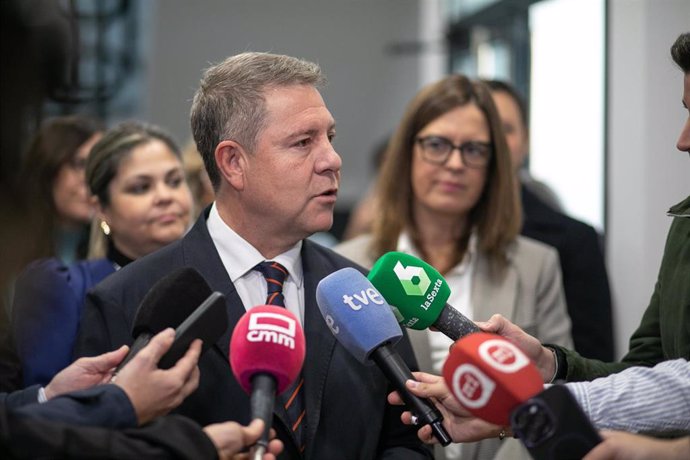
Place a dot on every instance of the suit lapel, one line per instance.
(320, 341)
(199, 252)
(492, 293)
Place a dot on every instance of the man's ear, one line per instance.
(231, 162)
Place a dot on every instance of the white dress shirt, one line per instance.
(239, 259)
(459, 278)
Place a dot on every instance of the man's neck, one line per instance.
(269, 243)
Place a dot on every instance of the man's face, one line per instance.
(291, 179)
(684, 138)
(513, 127)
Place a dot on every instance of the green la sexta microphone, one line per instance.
(418, 294)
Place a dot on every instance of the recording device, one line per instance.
(172, 299)
(418, 293)
(266, 355)
(490, 376)
(552, 426)
(208, 323)
(364, 324)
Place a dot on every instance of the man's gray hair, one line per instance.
(230, 104)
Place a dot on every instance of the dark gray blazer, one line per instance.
(347, 413)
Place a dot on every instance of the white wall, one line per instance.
(567, 104)
(646, 174)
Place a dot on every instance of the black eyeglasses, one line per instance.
(437, 150)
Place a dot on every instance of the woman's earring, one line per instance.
(105, 227)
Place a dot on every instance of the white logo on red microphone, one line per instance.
(272, 328)
(502, 356)
(471, 386)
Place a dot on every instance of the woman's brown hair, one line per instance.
(496, 216)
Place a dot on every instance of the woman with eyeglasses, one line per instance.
(446, 195)
(142, 203)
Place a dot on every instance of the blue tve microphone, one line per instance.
(364, 324)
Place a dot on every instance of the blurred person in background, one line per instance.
(585, 279)
(142, 202)
(197, 178)
(447, 195)
(53, 179)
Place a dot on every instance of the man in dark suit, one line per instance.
(265, 135)
(585, 281)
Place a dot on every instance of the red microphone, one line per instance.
(266, 355)
(490, 376)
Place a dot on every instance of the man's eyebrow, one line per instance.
(311, 131)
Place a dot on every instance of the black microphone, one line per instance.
(208, 323)
(167, 304)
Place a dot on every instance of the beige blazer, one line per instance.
(529, 293)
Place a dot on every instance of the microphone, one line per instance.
(208, 323)
(364, 324)
(166, 304)
(490, 376)
(418, 293)
(266, 355)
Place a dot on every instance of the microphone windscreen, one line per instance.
(170, 301)
(267, 340)
(490, 376)
(357, 314)
(414, 287)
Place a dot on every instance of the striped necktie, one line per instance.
(293, 397)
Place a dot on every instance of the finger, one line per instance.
(497, 323)
(426, 435)
(395, 399)
(407, 418)
(253, 431)
(427, 390)
(188, 362)
(191, 384)
(158, 345)
(106, 361)
(425, 377)
(275, 447)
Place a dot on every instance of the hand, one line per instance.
(155, 391)
(626, 446)
(532, 347)
(231, 437)
(85, 373)
(460, 424)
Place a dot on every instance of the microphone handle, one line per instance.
(140, 342)
(261, 403)
(397, 372)
(454, 324)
